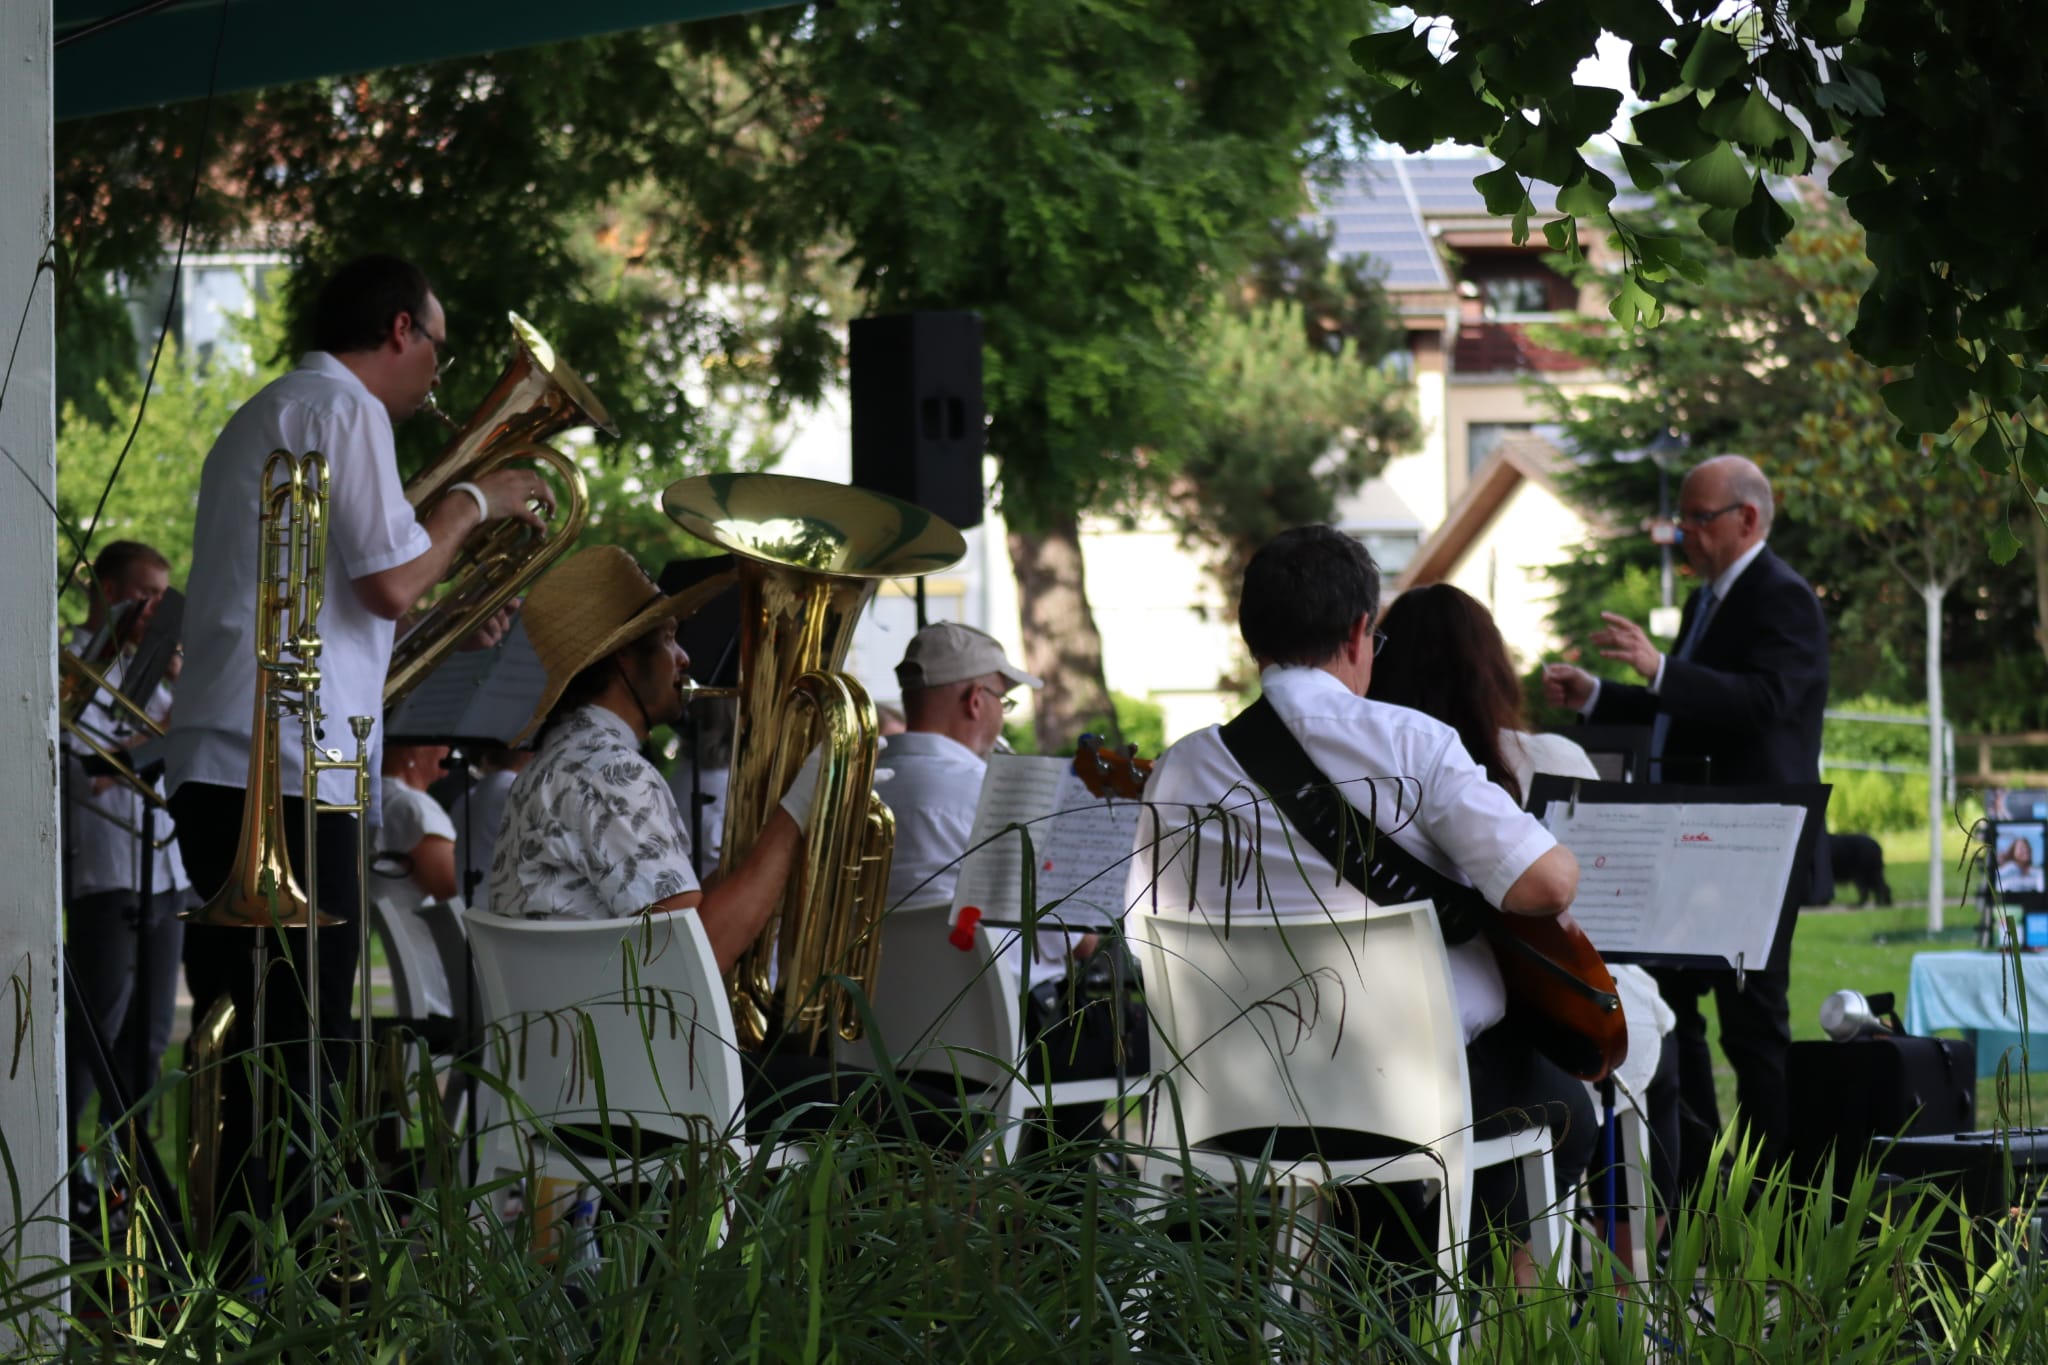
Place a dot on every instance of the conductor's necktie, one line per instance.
(1661, 727)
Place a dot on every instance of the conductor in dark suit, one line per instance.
(1738, 701)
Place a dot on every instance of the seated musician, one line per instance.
(1307, 612)
(955, 682)
(591, 830)
(1445, 658)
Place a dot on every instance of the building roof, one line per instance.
(1384, 207)
(1520, 455)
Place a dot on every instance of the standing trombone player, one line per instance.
(380, 345)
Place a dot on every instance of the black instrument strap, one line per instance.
(1363, 853)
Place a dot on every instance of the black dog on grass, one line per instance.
(1859, 860)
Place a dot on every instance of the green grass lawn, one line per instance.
(1872, 951)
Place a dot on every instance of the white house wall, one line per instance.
(1506, 567)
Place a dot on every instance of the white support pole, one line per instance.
(1937, 787)
(33, 1234)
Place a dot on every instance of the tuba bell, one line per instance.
(538, 396)
(809, 555)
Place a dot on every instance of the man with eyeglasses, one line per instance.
(1298, 779)
(1737, 700)
(956, 683)
(379, 344)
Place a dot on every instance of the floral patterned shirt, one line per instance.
(591, 830)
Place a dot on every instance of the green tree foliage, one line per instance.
(1081, 174)
(1937, 111)
(1292, 413)
(1753, 358)
(543, 181)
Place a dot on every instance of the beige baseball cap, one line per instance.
(949, 652)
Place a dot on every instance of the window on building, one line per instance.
(1483, 438)
(1515, 295)
(1392, 548)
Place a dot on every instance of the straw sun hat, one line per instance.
(589, 605)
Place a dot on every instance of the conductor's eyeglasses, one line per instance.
(1702, 518)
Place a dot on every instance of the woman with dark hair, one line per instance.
(1442, 655)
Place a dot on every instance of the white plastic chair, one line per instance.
(643, 993)
(943, 1010)
(419, 979)
(1341, 1023)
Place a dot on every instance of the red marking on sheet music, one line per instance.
(1695, 838)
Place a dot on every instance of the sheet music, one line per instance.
(1701, 879)
(1080, 851)
(475, 694)
(1019, 789)
(1081, 864)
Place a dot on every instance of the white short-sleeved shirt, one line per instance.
(478, 814)
(932, 786)
(1450, 815)
(320, 406)
(411, 815)
(105, 855)
(590, 831)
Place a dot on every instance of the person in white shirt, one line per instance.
(478, 813)
(956, 682)
(1444, 657)
(1307, 612)
(415, 867)
(379, 344)
(124, 954)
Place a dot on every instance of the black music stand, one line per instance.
(1620, 753)
(1548, 789)
(711, 638)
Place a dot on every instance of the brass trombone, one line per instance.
(81, 679)
(809, 556)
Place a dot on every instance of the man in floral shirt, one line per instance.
(591, 829)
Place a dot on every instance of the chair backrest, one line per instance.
(444, 923)
(419, 983)
(1343, 1022)
(643, 993)
(938, 1008)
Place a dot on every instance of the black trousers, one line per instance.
(221, 962)
(1756, 1033)
(110, 938)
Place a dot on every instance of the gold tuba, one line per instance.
(810, 555)
(536, 397)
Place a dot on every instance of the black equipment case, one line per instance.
(1883, 1085)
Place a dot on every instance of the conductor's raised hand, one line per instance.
(1623, 639)
(518, 493)
(1567, 685)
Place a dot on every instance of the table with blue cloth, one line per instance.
(1979, 994)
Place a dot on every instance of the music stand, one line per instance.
(711, 639)
(1719, 936)
(1620, 753)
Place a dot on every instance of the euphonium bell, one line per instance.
(810, 555)
(537, 396)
